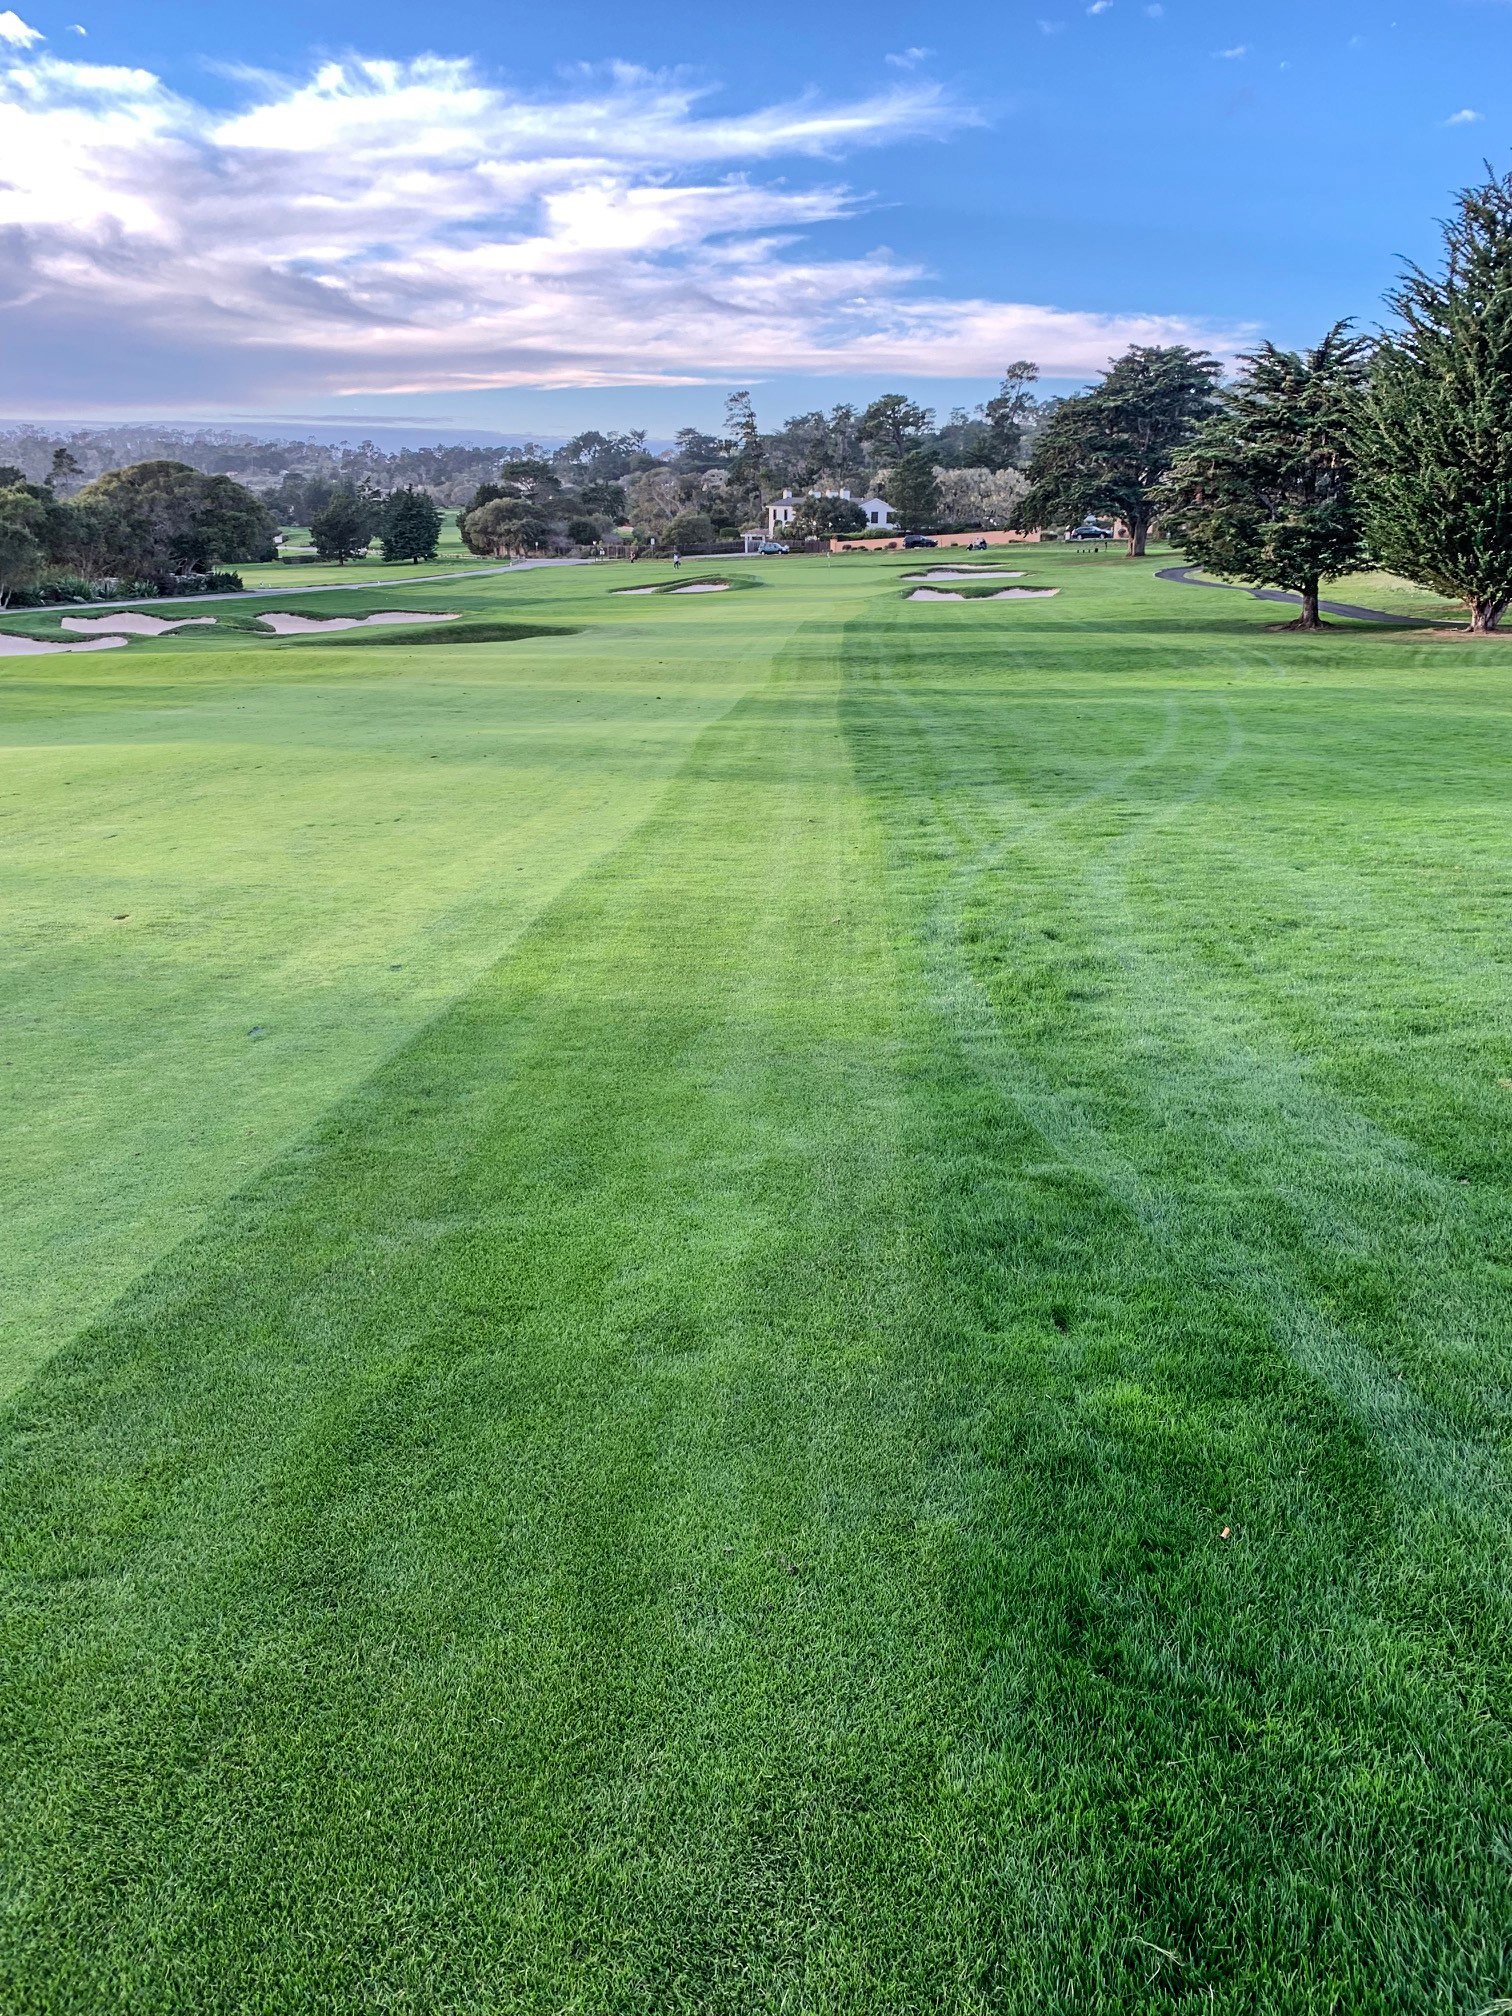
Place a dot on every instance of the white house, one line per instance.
(879, 513)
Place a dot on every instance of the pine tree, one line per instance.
(1268, 489)
(1437, 433)
(1109, 449)
(411, 526)
(340, 531)
(912, 489)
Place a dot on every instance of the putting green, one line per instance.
(796, 1303)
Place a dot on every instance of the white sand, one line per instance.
(299, 626)
(128, 623)
(702, 588)
(637, 591)
(38, 647)
(1002, 595)
(966, 574)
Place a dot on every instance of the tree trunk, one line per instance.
(1310, 617)
(1486, 613)
(1139, 532)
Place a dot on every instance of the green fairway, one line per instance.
(793, 1303)
(309, 572)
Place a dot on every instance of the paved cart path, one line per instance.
(1189, 578)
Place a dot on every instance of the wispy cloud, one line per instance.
(380, 227)
(1465, 118)
(18, 33)
(1239, 50)
(908, 59)
(1100, 6)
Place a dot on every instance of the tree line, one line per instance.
(1393, 451)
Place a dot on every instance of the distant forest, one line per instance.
(295, 477)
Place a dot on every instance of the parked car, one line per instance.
(1090, 532)
(771, 546)
(916, 539)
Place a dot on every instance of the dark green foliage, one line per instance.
(340, 532)
(1006, 413)
(1109, 449)
(64, 468)
(746, 457)
(584, 531)
(689, 532)
(892, 426)
(1268, 489)
(23, 519)
(607, 500)
(532, 479)
(410, 527)
(164, 517)
(911, 490)
(828, 518)
(1437, 434)
(503, 525)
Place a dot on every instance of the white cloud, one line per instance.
(77, 28)
(908, 59)
(17, 32)
(1100, 6)
(1465, 118)
(1239, 50)
(1050, 27)
(383, 227)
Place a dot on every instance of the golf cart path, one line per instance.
(311, 588)
(1187, 577)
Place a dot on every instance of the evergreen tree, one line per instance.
(340, 531)
(912, 490)
(894, 425)
(828, 518)
(1268, 491)
(1437, 432)
(1005, 415)
(743, 446)
(1109, 449)
(411, 527)
(22, 554)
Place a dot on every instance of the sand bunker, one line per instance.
(129, 623)
(637, 591)
(1002, 595)
(302, 626)
(702, 588)
(965, 574)
(39, 647)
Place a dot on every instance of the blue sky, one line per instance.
(529, 219)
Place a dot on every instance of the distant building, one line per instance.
(879, 513)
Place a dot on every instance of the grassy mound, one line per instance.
(484, 631)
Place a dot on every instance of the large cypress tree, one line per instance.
(340, 531)
(1111, 448)
(1267, 491)
(411, 526)
(1437, 433)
